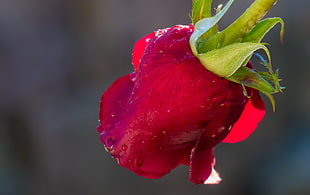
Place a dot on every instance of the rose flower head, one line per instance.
(192, 88)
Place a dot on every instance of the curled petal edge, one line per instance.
(252, 114)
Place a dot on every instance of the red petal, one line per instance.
(113, 102)
(201, 164)
(139, 48)
(151, 120)
(252, 114)
(202, 159)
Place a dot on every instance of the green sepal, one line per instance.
(263, 27)
(204, 26)
(239, 28)
(271, 76)
(248, 77)
(227, 52)
(227, 60)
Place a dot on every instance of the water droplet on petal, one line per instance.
(124, 147)
(221, 129)
(112, 114)
(133, 76)
(168, 110)
(138, 162)
(221, 105)
(143, 142)
(164, 132)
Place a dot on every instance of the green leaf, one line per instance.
(204, 25)
(250, 78)
(260, 30)
(227, 60)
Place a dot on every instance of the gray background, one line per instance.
(58, 56)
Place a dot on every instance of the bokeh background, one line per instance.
(58, 56)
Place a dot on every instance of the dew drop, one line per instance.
(102, 133)
(202, 106)
(133, 76)
(222, 105)
(219, 7)
(112, 114)
(221, 129)
(213, 135)
(164, 132)
(143, 142)
(124, 147)
(138, 162)
(168, 110)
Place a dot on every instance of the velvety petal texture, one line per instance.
(172, 111)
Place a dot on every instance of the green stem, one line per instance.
(201, 9)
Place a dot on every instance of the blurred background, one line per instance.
(58, 56)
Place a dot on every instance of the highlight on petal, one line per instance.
(252, 114)
(139, 48)
(214, 177)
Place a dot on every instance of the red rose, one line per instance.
(173, 111)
